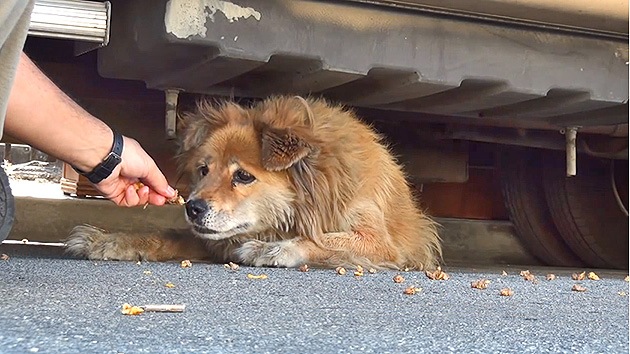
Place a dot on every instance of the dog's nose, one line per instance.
(196, 208)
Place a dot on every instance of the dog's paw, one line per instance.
(93, 243)
(277, 254)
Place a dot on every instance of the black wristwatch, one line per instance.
(105, 168)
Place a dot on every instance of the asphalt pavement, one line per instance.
(50, 304)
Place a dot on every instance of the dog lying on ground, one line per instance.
(284, 182)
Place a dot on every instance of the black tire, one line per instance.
(586, 212)
(7, 206)
(521, 185)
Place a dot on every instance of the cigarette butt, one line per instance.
(163, 308)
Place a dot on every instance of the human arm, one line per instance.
(40, 114)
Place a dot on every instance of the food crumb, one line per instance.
(627, 278)
(506, 292)
(480, 284)
(580, 276)
(398, 278)
(186, 263)
(578, 287)
(340, 270)
(358, 274)
(550, 276)
(231, 266)
(438, 274)
(359, 269)
(147, 272)
(593, 276)
(169, 285)
(252, 276)
(372, 271)
(504, 273)
(4, 257)
(304, 268)
(127, 309)
(412, 290)
(622, 293)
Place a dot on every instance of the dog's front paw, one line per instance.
(276, 254)
(93, 243)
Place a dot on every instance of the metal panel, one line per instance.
(370, 56)
(71, 19)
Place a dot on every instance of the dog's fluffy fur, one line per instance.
(284, 182)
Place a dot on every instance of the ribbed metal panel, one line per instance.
(71, 19)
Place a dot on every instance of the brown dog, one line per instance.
(283, 183)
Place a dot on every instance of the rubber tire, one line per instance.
(521, 184)
(7, 206)
(585, 211)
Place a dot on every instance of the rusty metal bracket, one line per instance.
(171, 113)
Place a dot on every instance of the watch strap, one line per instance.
(107, 166)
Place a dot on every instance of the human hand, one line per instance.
(136, 166)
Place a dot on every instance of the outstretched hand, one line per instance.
(136, 166)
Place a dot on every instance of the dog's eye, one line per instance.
(242, 177)
(203, 170)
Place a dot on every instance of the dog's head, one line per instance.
(240, 162)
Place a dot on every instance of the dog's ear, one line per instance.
(193, 132)
(282, 148)
(195, 126)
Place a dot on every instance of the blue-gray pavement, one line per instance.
(56, 305)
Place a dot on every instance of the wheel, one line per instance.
(521, 185)
(7, 206)
(587, 212)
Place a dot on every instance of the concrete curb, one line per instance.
(50, 220)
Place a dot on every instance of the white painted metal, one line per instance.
(78, 20)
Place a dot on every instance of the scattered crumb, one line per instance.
(169, 285)
(578, 287)
(359, 269)
(550, 276)
(358, 274)
(372, 271)
(4, 257)
(340, 270)
(528, 276)
(406, 269)
(412, 290)
(186, 263)
(622, 293)
(131, 310)
(231, 266)
(438, 274)
(252, 276)
(138, 263)
(147, 272)
(580, 276)
(304, 268)
(593, 276)
(398, 278)
(627, 278)
(480, 284)
(506, 292)
(504, 273)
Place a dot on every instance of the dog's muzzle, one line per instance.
(196, 209)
